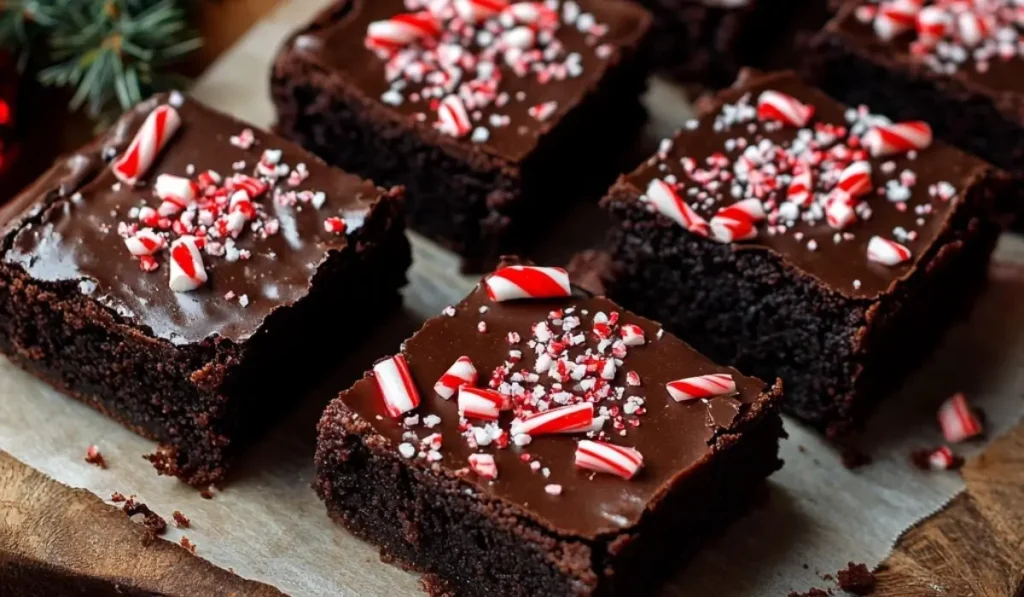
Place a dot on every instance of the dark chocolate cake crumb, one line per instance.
(93, 456)
(180, 520)
(812, 593)
(856, 579)
(151, 520)
(191, 547)
(206, 494)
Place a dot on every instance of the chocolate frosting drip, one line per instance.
(673, 437)
(838, 265)
(340, 46)
(69, 230)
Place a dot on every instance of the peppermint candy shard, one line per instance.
(527, 282)
(855, 179)
(150, 139)
(898, 138)
(669, 204)
(483, 465)
(632, 335)
(703, 386)
(452, 117)
(395, 33)
(895, 17)
(738, 221)
(942, 459)
(575, 418)
(780, 107)
(461, 373)
(603, 457)
(957, 420)
(187, 271)
(479, 403)
(887, 252)
(475, 11)
(396, 386)
(144, 242)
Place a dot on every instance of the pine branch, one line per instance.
(113, 52)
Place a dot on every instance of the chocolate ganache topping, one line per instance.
(548, 379)
(496, 73)
(258, 214)
(845, 195)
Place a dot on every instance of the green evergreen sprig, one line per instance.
(113, 53)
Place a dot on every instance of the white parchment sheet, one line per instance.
(268, 525)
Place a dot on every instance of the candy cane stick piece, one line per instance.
(461, 373)
(479, 403)
(574, 418)
(187, 271)
(703, 386)
(957, 420)
(526, 281)
(150, 139)
(608, 458)
(396, 385)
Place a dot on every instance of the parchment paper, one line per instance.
(269, 526)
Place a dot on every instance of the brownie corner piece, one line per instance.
(538, 440)
(786, 234)
(956, 66)
(168, 273)
(488, 113)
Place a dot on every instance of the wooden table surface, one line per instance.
(51, 534)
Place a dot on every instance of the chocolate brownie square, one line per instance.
(782, 232)
(957, 65)
(179, 272)
(491, 114)
(536, 440)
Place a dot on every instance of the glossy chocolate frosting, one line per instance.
(339, 46)
(843, 266)
(994, 77)
(68, 230)
(673, 437)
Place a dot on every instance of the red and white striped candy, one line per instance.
(396, 385)
(483, 465)
(703, 386)
(957, 420)
(536, 14)
(780, 107)
(839, 213)
(187, 271)
(527, 281)
(972, 28)
(855, 179)
(452, 118)
(896, 138)
(574, 418)
(334, 225)
(632, 335)
(253, 187)
(461, 373)
(144, 242)
(479, 403)
(669, 204)
(942, 459)
(474, 11)
(801, 188)
(887, 252)
(933, 24)
(608, 458)
(156, 130)
(736, 222)
(401, 30)
(175, 192)
(895, 17)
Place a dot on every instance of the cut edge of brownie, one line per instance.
(884, 334)
(986, 123)
(217, 394)
(428, 519)
(475, 211)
